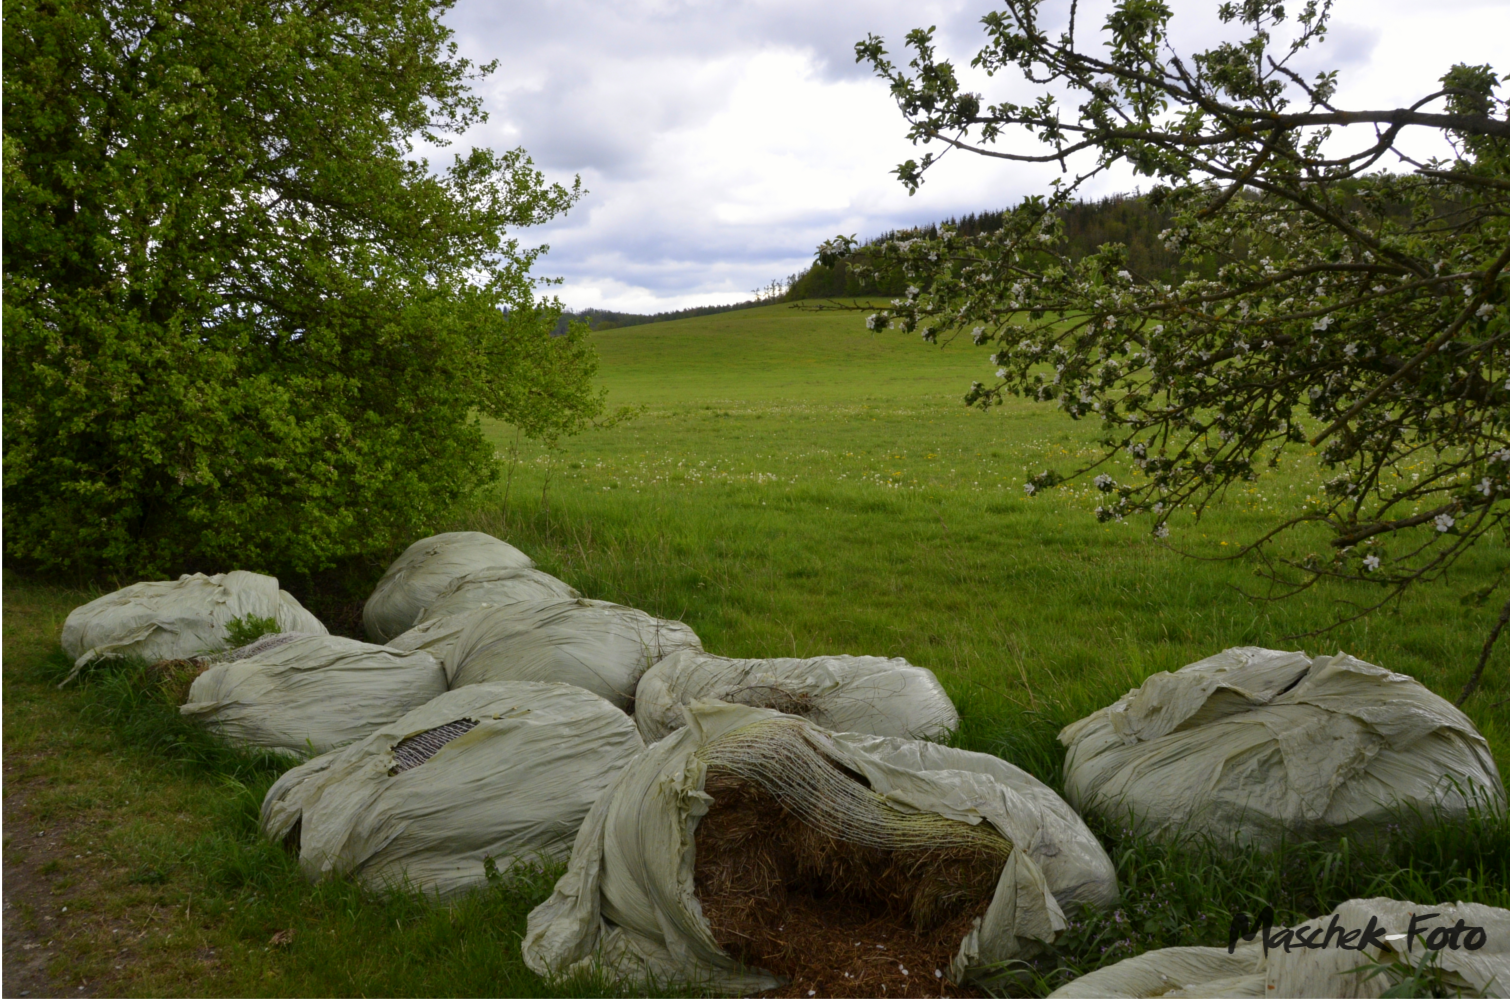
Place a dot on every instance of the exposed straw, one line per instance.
(803, 870)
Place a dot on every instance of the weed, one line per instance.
(249, 628)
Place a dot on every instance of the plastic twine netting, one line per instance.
(412, 751)
(255, 648)
(798, 767)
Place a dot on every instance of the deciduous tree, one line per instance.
(246, 325)
(1357, 307)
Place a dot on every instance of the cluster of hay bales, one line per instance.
(740, 824)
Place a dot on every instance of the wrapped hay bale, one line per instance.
(178, 619)
(494, 587)
(443, 622)
(307, 694)
(437, 636)
(1321, 958)
(1253, 746)
(851, 694)
(596, 645)
(751, 848)
(1039, 822)
(425, 569)
(502, 771)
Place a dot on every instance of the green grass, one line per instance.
(794, 485)
(797, 485)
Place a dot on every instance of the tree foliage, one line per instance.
(1343, 306)
(245, 324)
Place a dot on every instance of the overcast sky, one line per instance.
(720, 142)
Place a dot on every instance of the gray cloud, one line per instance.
(721, 141)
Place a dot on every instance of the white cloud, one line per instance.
(721, 141)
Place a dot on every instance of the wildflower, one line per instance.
(1370, 563)
(1443, 522)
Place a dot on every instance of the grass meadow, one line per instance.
(789, 485)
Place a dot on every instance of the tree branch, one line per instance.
(1478, 671)
(1436, 344)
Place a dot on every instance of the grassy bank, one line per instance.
(793, 485)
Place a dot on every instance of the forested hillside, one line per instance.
(1128, 219)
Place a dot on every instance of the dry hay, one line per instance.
(836, 918)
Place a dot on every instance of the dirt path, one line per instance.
(35, 911)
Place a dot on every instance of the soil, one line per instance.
(836, 919)
(48, 885)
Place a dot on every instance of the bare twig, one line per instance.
(1478, 672)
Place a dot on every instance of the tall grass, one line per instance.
(797, 486)
(332, 938)
(343, 936)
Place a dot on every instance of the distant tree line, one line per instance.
(1127, 219)
(606, 319)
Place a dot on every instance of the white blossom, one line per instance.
(1350, 350)
(1322, 323)
(1161, 531)
(1484, 310)
(1103, 481)
(1444, 522)
(1485, 486)
(1029, 488)
(1370, 563)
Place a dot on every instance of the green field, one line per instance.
(790, 484)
